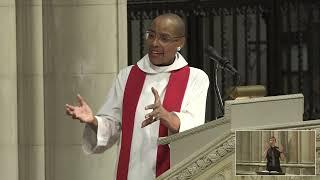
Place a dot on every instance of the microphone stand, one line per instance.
(216, 87)
(222, 63)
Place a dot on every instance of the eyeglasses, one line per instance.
(164, 39)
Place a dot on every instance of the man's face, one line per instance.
(162, 41)
(272, 141)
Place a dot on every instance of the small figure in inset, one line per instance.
(273, 154)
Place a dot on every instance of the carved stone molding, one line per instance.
(207, 160)
(202, 162)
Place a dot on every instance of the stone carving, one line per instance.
(219, 177)
(207, 160)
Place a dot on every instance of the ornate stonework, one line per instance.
(204, 162)
(214, 160)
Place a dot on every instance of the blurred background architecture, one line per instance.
(50, 50)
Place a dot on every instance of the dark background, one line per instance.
(274, 43)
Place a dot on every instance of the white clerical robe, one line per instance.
(143, 153)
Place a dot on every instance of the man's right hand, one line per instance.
(81, 112)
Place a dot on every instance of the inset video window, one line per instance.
(271, 152)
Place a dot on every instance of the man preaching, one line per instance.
(159, 95)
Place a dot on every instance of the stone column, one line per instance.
(292, 149)
(30, 90)
(245, 146)
(256, 152)
(307, 146)
(8, 92)
(313, 145)
(307, 139)
(82, 54)
(122, 34)
(265, 136)
(238, 147)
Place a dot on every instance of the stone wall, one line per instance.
(51, 50)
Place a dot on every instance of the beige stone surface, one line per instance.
(250, 113)
(292, 151)
(7, 43)
(31, 120)
(63, 89)
(122, 34)
(307, 147)
(59, 48)
(221, 171)
(182, 145)
(255, 144)
(81, 39)
(30, 89)
(30, 41)
(82, 59)
(31, 162)
(8, 162)
(81, 56)
(7, 3)
(80, 2)
(8, 111)
(29, 2)
(8, 95)
(245, 143)
(71, 163)
(122, 2)
(36, 163)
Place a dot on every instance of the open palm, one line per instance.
(81, 112)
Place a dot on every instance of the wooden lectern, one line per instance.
(207, 151)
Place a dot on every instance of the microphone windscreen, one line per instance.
(215, 55)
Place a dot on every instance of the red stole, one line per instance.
(172, 102)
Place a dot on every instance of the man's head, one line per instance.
(164, 38)
(272, 141)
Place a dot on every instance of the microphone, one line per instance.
(222, 61)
